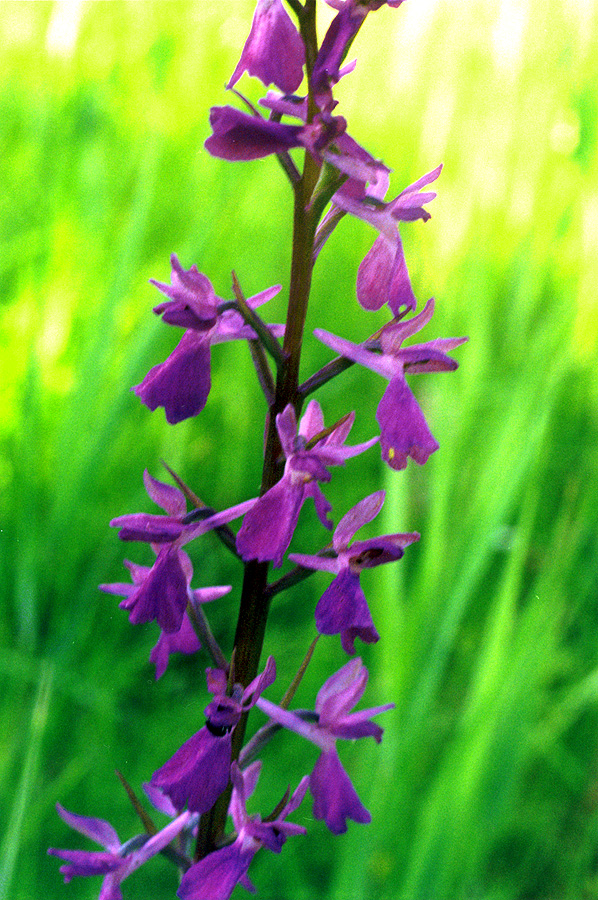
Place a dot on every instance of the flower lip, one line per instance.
(274, 51)
(238, 136)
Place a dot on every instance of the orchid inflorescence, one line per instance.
(214, 772)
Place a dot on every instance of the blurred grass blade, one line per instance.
(29, 777)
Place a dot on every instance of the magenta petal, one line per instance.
(216, 875)
(408, 206)
(259, 684)
(323, 507)
(343, 609)
(335, 799)
(338, 38)
(198, 772)
(97, 829)
(377, 551)
(341, 692)
(404, 430)
(189, 290)
(364, 511)
(357, 725)
(393, 334)
(383, 277)
(163, 594)
(274, 51)
(374, 274)
(400, 293)
(153, 529)
(286, 425)
(87, 862)
(268, 527)
(170, 498)
(322, 563)
(138, 574)
(159, 799)
(312, 420)
(238, 136)
(182, 641)
(181, 383)
(310, 464)
(430, 356)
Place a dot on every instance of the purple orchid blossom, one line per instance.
(163, 591)
(404, 430)
(335, 146)
(118, 861)
(159, 592)
(274, 51)
(199, 770)
(181, 383)
(342, 608)
(238, 136)
(382, 276)
(268, 526)
(335, 799)
(184, 640)
(215, 876)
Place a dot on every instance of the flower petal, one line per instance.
(216, 875)
(170, 498)
(343, 609)
(274, 51)
(268, 527)
(182, 641)
(335, 798)
(237, 136)
(404, 430)
(97, 829)
(163, 595)
(198, 772)
(364, 511)
(181, 383)
(382, 277)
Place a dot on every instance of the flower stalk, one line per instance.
(209, 778)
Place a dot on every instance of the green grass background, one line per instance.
(486, 783)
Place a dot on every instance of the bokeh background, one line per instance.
(486, 783)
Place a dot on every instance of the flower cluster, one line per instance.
(213, 773)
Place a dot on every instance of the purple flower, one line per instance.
(238, 137)
(215, 876)
(199, 770)
(342, 608)
(118, 861)
(268, 527)
(153, 528)
(159, 592)
(181, 383)
(163, 591)
(274, 51)
(404, 430)
(382, 276)
(185, 639)
(335, 799)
